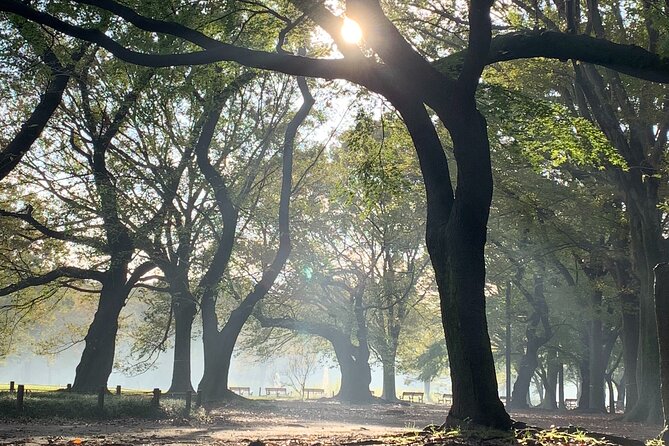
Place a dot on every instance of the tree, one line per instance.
(456, 217)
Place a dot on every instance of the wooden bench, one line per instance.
(445, 398)
(571, 403)
(316, 392)
(276, 391)
(418, 396)
(241, 390)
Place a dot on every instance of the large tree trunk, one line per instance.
(646, 243)
(457, 253)
(97, 359)
(185, 309)
(218, 349)
(356, 374)
(662, 312)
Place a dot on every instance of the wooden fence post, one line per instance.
(118, 390)
(69, 387)
(19, 397)
(101, 398)
(156, 397)
(11, 386)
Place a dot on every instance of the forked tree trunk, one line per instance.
(218, 349)
(550, 399)
(457, 253)
(356, 374)
(97, 359)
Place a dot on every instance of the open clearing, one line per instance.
(286, 423)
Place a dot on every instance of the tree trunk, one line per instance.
(597, 398)
(584, 372)
(561, 403)
(356, 375)
(97, 359)
(457, 253)
(620, 391)
(630, 340)
(184, 314)
(550, 400)
(646, 248)
(521, 387)
(218, 349)
(389, 388)
(612, 397)
(662, 312)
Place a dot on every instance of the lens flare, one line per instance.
(351, 32)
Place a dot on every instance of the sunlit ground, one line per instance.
(293, 423)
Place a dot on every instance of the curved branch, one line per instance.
(66, 271)
(58, 235)
(628, 59)
(358, 72)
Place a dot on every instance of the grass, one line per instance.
(50, 404)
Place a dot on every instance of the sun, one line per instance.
(351, 32)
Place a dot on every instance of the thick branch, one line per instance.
(628, 59)
(66, 271)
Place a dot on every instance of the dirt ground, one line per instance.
(285, 423)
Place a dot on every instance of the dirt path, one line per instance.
(286, 423)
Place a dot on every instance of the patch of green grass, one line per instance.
(555, 437)
(85, 407)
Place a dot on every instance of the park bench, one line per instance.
(316, 392)
(241, 390)
(276, 391)
(418, 396)
(571, 403)
(445, 398)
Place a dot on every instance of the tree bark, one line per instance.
(97, 359)
(389, 385)
(596, 400)
(662, 312)
(185, 309)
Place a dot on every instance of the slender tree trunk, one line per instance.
(550, 400)
(630, 340)
(97, 359)
(584, 372)
(596, 400)
(620, 391)
(662, 313)
(561, 403)
(612, 397)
